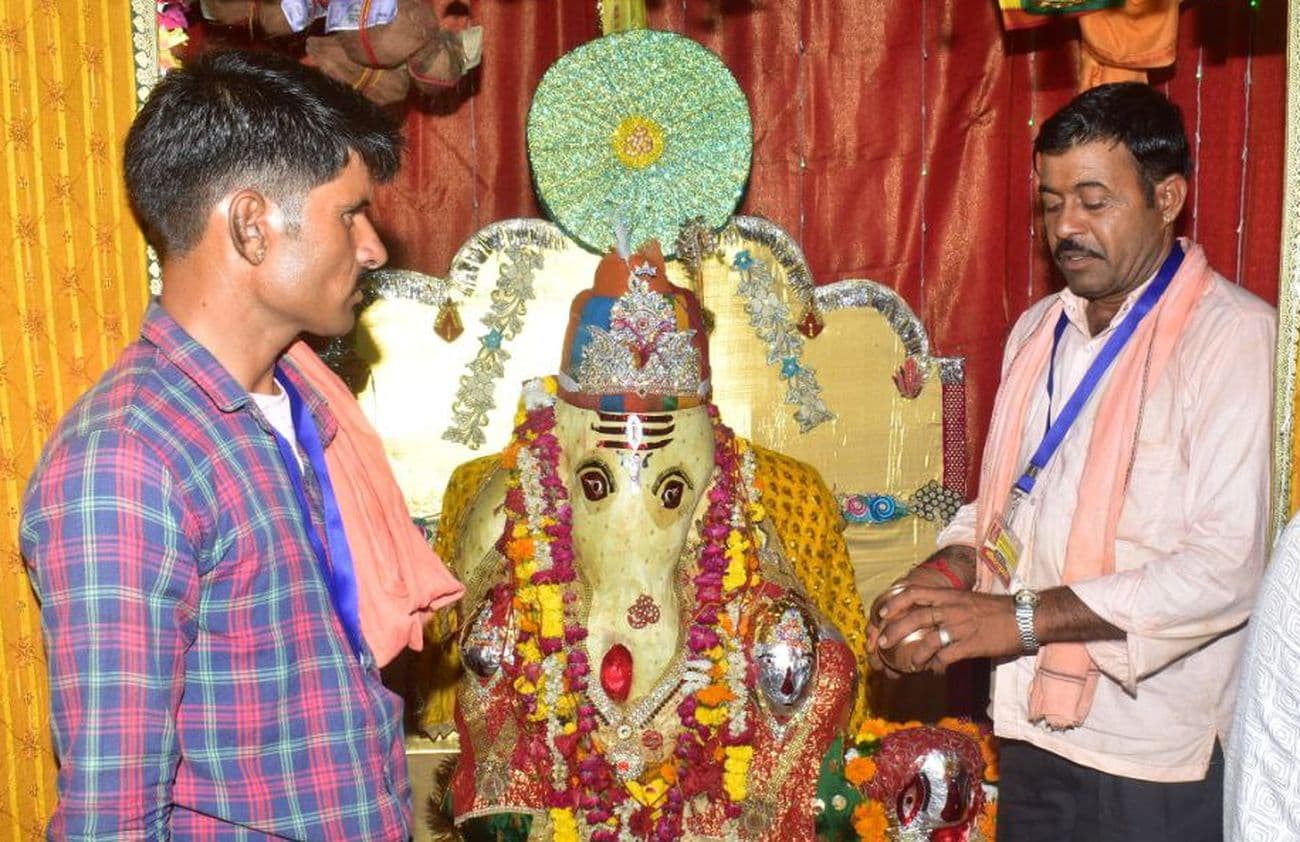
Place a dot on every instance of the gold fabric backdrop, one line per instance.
(1286, 444)
(72, 290)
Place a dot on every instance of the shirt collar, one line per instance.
(1076, 308)
(316, 403)
(197, 363)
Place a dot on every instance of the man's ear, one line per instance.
(1171, 193)
(248, 215)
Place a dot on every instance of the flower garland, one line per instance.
(712, 753)
(869, 819)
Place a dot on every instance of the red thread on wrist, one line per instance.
(942, 567)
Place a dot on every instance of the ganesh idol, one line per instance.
(641, 660)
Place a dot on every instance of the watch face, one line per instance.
(1026, 597)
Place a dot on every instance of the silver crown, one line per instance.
(642, 352)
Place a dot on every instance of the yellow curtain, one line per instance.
(73, 286)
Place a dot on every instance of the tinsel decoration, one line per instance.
(641, 127)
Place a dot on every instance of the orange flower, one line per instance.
(668, 771)
(714, 695)
(876, 729)
(520, 550)
(869, 821)
(962, 726)
(859, 770)
(990, 751)
(988, 820)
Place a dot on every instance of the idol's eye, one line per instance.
(912, 799)
(671, 487)
(671, 493)
(595, 480)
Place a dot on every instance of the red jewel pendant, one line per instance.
(812, 325)
(447, 324)
(616, 673)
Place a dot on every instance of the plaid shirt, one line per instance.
(201, 684)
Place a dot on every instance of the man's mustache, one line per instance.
(1070, 248)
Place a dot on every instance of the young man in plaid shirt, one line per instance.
(207, 677)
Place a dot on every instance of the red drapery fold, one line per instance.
(893, 140)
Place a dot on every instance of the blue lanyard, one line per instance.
(336, 564)
(1056, 431)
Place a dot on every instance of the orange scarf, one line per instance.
(1066, 677)
(400, 580)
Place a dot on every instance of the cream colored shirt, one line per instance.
(1191, 541)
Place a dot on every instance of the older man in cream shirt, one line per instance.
(1111, 560)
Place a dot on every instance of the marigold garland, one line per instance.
(712, 754)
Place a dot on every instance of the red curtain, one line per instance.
(892, 139)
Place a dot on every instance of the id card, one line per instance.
(1007, 539)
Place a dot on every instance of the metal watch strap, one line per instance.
(1025, 624)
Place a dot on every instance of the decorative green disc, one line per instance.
(643, 128)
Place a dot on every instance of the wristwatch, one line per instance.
(1026, 601)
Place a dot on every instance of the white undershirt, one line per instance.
(277, 410)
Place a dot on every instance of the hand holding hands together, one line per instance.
(925, 622)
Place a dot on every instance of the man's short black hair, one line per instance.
(235, 119)
(1131, 113)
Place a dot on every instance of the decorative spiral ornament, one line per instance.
(639, 129)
